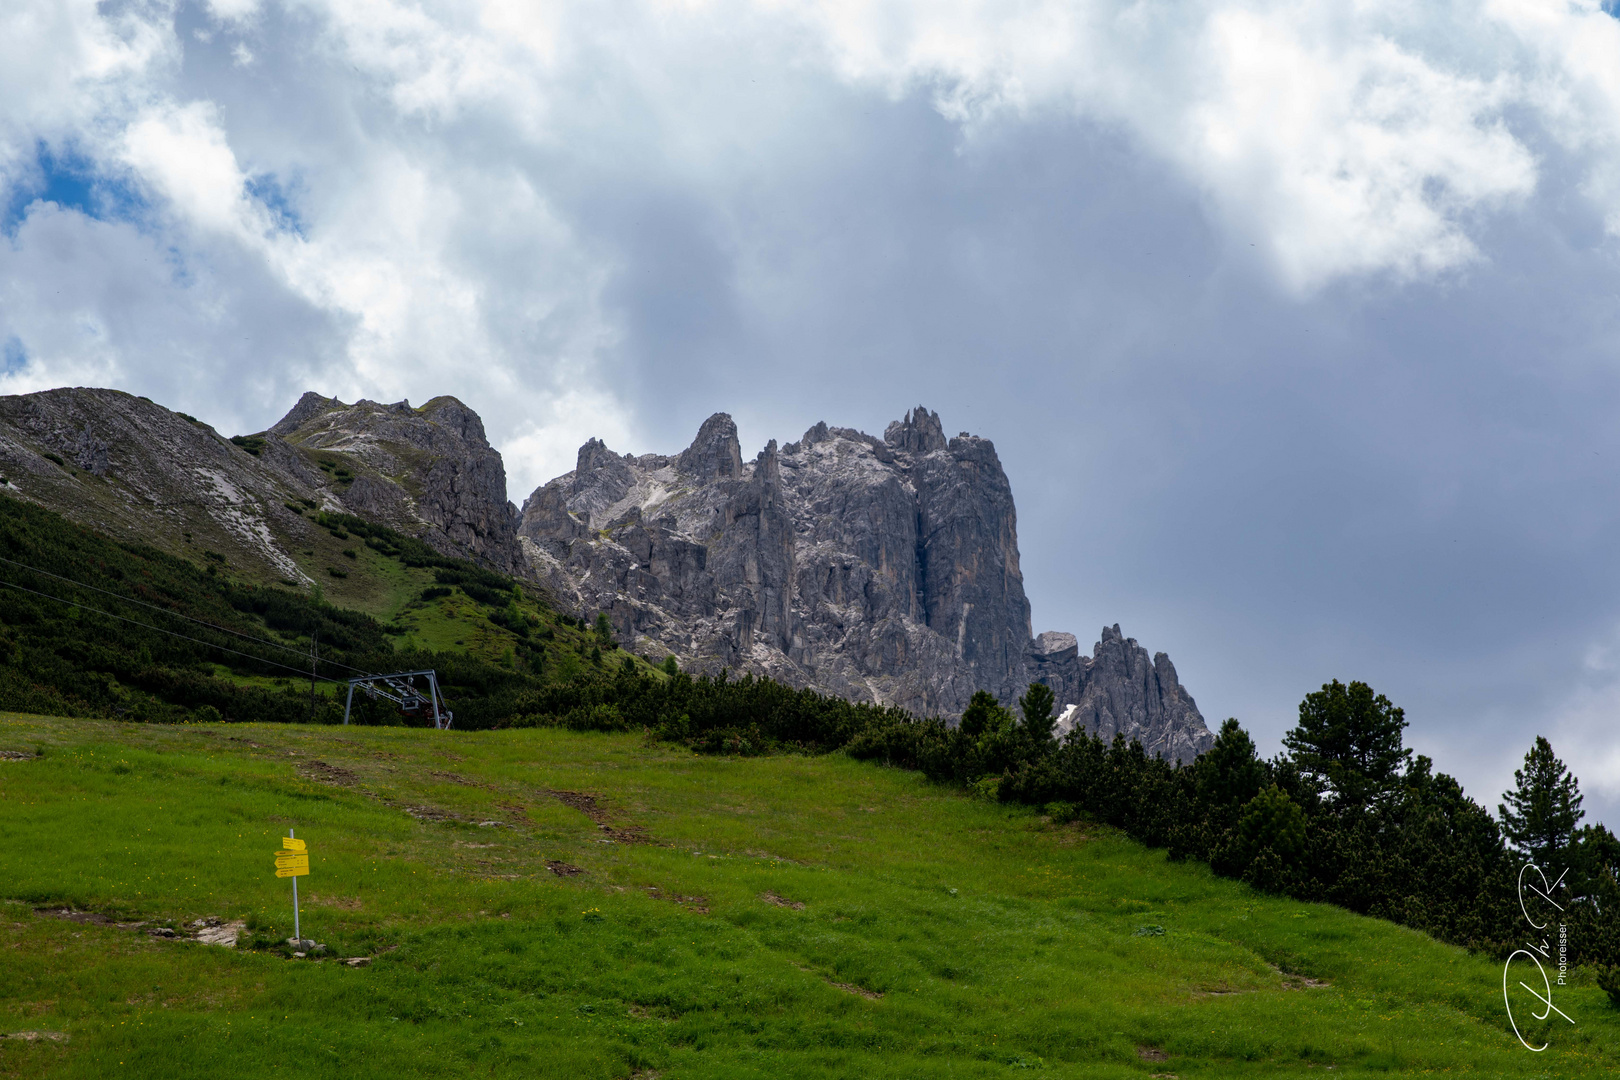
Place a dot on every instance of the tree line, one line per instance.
(1346, 814)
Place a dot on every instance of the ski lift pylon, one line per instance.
(401, 689)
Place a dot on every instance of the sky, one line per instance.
(1294, 324)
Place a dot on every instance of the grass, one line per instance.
(938, 935)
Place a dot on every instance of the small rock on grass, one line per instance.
(214, 932)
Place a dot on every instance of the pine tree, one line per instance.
(1349, 740)
(1231, 773)
(1037, 706)
(984, 715)
(1542, 812)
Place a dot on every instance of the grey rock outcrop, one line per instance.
(428, 471)
(877, 569)
(142, 472)
(1117, 690)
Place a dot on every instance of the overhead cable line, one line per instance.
(173, 633)
(176, 614)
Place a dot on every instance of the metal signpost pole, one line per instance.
(298, 937)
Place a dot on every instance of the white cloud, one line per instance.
(1338, 140)
(184, 155)
(233, 11)
(1344, 140)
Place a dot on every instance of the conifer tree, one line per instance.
(1349, 740)
(1231, 773)
(1541, 813)
(984, 715)
(1037, 706)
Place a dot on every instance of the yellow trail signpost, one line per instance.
(292, 861)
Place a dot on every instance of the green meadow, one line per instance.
(541, 903)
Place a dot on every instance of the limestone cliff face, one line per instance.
(139, 471)
(881, 569)
(428, 471)
(1118, 690)
(878, 569)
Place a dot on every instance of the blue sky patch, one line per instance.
(277, 197)
(15, 356)
(70, 180)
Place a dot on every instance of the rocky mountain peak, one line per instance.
(1055, 643)
(427, 471)
(1118, 690)
(919, 433)
(877, 569)
(715, 453)
(309, 406)
(170, 480)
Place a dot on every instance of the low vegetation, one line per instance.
(1346, 816)
(93, 627)
(542, 902)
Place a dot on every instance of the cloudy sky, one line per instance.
(1295, 324)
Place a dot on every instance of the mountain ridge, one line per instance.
(878, 569)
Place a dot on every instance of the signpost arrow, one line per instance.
(293, 861)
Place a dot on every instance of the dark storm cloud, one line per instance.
(1410, 484)
(1295, 330)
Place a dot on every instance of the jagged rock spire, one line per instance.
(715, 453)
(920, 432)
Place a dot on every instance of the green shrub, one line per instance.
(1609, 982)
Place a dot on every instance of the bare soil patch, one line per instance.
(1292, 980)
(587, 805)
(1151, 1053)
(16, 755)
(90, 917)
(37, 1036)
(322, 773)
(851, 988)
(562, 869)
(430, 813)
(781, 901)
(697, 904)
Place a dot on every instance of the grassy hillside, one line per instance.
(94, 626)
(938, 935)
